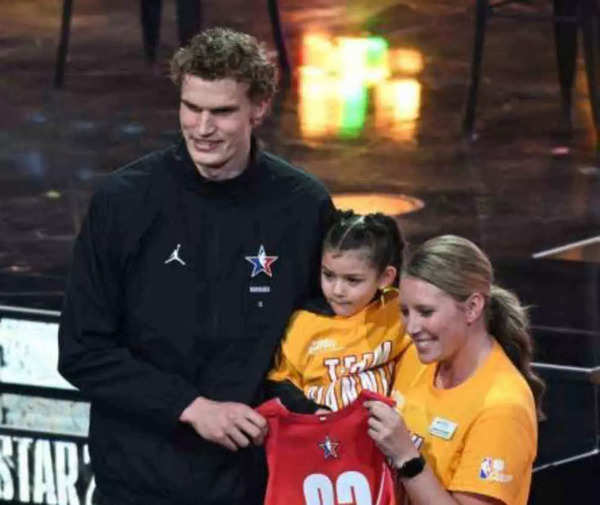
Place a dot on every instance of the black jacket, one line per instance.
(142, 336)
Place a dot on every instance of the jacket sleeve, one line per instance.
(93, 354)
(285, 379)
(292, 397)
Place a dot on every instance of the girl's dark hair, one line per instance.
(459, 268)
(377, 233)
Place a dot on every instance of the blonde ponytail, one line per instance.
(508, 322)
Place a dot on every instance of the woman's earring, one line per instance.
(385, 291)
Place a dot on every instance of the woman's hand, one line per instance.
(389, 432)
(387, 429)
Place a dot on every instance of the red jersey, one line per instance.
(325, 459)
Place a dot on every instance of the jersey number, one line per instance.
(350, 487)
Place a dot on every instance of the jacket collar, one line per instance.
(186, 170)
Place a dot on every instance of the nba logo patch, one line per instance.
(261, 263)
(485, 470)
(330, 448)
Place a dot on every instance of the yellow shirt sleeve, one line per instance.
(284, 367)
(498, 455)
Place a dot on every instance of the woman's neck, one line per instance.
(463, 364)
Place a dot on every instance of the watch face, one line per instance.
(412, 467)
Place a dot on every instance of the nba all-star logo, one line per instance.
(330, 448)
(261, 263)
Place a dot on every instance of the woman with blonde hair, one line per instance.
(464, 430)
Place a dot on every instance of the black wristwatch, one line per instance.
(411, 467)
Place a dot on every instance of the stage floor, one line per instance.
(397, 134)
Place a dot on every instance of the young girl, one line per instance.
(348, 340)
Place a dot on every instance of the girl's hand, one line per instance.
(389, 432)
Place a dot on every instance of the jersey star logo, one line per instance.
(330, 448)
(261, 262)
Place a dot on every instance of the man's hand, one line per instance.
(232, 425)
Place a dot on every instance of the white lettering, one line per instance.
(90, 490)
(315, 393)
(44, 471)
(319, 397)
(330, 398)
(353, 487)
(318, 490)
(44, 490)
(350, 487)
(348, 362)
(331, 364)
(67, 472)
(23, 445)
(260, 289)
(7, 487)
(359, 366)
(349, 393)
(382, 353)
(367, 360)
(368, 380)
(384, 381)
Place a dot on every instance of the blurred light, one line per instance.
(406, 61)
(397, 106)
(388, 203)
(317, 51)
(378, 68)
(320, 106)
(52, 194)
(132, 129)
(18, 268)
(334, 84)
(352, 56)
(354, 109)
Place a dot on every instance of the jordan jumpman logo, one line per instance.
(175, 256)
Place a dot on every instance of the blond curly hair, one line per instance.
(221, 53)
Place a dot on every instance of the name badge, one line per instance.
(442, 428)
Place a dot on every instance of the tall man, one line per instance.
(185, 271)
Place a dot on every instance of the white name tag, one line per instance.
(442, 428)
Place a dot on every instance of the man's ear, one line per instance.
(258, 112)
(474, 306)
(387, 277)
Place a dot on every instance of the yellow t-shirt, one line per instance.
(478, 437)
(333, 358)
